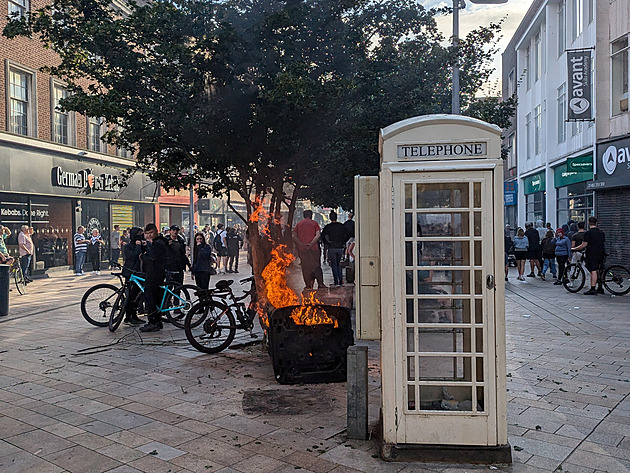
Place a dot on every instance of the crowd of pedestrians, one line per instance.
(543, 248)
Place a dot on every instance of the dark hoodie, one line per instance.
(132, 252)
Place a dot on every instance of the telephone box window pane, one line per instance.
(408, 196)
(477, 194)
(410, 317)
(411, 397)
(444, 224)
(410, 340)
(478, 311)
(477, 224)
(411, 368)
(409, 282)
(448, 195)
(480, 399)
(477, 253)
(408, 220)
(447, 341)
(408, 253)
(443, 311)
(443, 253)
(445, 398)
(479, 362)
(478, 282)
(479, 339)
(443, 282)
(444, 368)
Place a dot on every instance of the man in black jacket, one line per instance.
(533, 254)
(177, 259)
(335, 236)
(154, 264)
(132, 252)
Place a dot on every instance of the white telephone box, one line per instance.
(442, 310)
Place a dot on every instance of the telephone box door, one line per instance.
(444, 319)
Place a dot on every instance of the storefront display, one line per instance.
(535, 201)
(571, 179)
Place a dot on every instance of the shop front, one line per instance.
(510, 202)
(611, 184)
(55, 193)
(534, 188)
(574, 201)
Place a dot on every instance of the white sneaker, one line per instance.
(93, 272)
(98, 273)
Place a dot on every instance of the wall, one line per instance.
(613, 213)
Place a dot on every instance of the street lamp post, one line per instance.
(457, 5)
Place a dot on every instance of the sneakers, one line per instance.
(600, 290)
(506, 279)
(132, 321)
(98, 273)
(557, 282)
(554, 276)
(542, 276)
(531, 275)
(150, 328)
(591, 292)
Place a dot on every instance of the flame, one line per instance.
(310, 314)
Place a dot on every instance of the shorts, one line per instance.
(521, 255)
(506, 259)
(593, 263)
(533, 254)
(223, 252)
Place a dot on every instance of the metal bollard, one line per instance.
(357, 417)
(4, 289)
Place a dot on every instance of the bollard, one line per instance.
(4, 289)
(357, 416)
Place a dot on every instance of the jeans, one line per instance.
(79, 260)
(335, 255)
(25, 264)
(115, 256)
(550, 263)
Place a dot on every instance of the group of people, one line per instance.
(543, 247)
(26, 249)
(337, 240)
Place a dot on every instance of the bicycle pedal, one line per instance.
(253, 335)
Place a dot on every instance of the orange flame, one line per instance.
(310, 314)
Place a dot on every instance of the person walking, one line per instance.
(548, 245)
(334, 235)
(533, 253)
(132, 263)
(306, 236)
(595, 248)
(202, 262)
(94, 251)
(220, 245)
(25, 249)
(114, 244)
(563, 252)
(521, 248)
(234, 244)
(80, 250)
(154, 265)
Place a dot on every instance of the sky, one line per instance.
(475, 15)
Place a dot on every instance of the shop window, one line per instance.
(562, 113)
(96, 129)
(562, 33)
(574, 202)
(22, 101)
(63, 123)
(18, 8)
(535, 206)
(528, 134)
(538, 130)
(577, 18)
(619, 89)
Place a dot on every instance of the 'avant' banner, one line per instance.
(580, 80)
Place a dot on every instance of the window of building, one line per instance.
(538, 59)
(562, 113)
(528, 134)
(562, 34)
(538, 130)
(577, 18)
(21, 102)
(511, 151)
(528, 69)
(619, 89)
(511, 83)
(535, 206)
(62, 126)
(18, 8)
(590, 10)
(577, 128)
(96, 129)
(574, 202)
(123, 152)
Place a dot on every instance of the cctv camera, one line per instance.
(77, 208)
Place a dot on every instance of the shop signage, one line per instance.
(564, 176)
(446, 150)
(581, 164)
(510, 191)
(535, 183)
(85, 180)
(612, 165)
(579, 80)
(11, 212)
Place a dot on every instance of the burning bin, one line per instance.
(308, 344)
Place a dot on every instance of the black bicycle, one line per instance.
(211, 324)
(615, 278)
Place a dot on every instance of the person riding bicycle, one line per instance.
(132, 253)
(595, 252)
(154, 265)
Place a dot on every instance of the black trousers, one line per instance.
(202, 279)
(131, 310)
(562, 261)
(95, 258)
(152, 298)
(232, 261)
(311, 267)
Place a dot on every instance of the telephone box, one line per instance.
(437, 244)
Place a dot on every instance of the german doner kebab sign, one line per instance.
(579, 78)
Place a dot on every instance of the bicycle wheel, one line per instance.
(20, 280)
(210, 327)
(97, 302)
(616, 279)
(574, 278)
(180, 302)
(118, 311)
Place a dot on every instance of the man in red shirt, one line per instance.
(306, 236)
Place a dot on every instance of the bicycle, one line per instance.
(211, 324)
(615, 278)
(18, 276)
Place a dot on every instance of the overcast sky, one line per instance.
(475, 15)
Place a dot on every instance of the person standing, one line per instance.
(595, 245)
(533, 253)
(548, 245)
(154, 265)
(577, 239)
(234, 244)
(521, 246)
(5, 233)
(563, 252)
(94, 251)
(124, 239)
(202, 262)
(220, 245)
(25, 248)
(80, 251)
(177, 259)
(114, 244)
(334, 236)
(508, 247)
(306, 236)
(132, 253)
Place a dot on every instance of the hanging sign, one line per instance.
(580, 102)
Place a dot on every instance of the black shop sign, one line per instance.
(85, 180)
(612, 165)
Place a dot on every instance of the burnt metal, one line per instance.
(309, 353)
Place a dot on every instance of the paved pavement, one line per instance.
(78, 398)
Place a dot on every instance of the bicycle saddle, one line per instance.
(243, 281)
(224, 283)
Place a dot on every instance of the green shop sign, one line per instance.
(581, 164)
(563, 175)
(535, 183)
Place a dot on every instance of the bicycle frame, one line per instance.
(138, 281)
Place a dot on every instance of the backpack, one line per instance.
(218, 242)
(549, 247)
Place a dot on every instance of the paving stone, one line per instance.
(79, 459)
(39, 442)
(23, 462)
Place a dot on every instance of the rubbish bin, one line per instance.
(4, 289)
